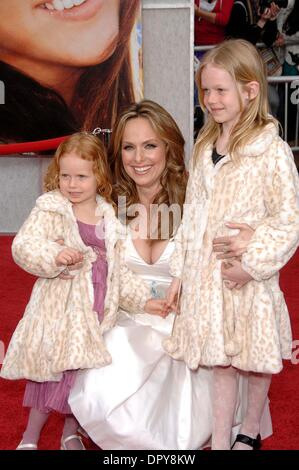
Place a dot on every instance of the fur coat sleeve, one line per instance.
(276, 237)
(34, 248)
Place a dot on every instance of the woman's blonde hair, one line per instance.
(244, 64)
(174, 177)
(88, 147)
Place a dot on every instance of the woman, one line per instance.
(146, 400)
(250, 21)
(65, 64)
(247, 21)
(211, 18)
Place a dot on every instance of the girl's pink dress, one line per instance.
(49, 396)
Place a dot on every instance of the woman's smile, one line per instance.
(49, 39)
(142, 170)
(143, 153)
(71, 9)
(62, 4)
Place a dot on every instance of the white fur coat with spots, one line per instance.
(247, 328)
(59, 330)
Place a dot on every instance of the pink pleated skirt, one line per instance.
(49, 396)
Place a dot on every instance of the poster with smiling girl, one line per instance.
(67, 65)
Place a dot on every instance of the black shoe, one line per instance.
(256, 443)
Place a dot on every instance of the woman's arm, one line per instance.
(207, 15)
(239, 27)
(221, 17)
(269, 33)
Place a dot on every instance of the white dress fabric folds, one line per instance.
(145, 399)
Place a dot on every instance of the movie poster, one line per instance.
(67, 65)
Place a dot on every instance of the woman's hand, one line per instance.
(270, 13)
(235, 245)
(197, 11)
(274, 11)
(157, 307)
(172, 293)
(207, 15)
(234, 275)
(280, 41)
(266, 15)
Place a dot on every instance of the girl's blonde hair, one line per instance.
(174, 177)
(88, 147)
(244, 64)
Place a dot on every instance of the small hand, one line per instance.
(234, 245)
(233, 272)
(68, 256)
(71, 267)
(157, 307)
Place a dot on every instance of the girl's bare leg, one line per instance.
(36, 421)
(71, 426)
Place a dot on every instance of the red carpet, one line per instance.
(15, 291)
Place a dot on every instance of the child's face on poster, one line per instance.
(68, 33)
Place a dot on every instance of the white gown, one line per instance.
(145, 399)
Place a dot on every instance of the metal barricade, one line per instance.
(288, 81)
